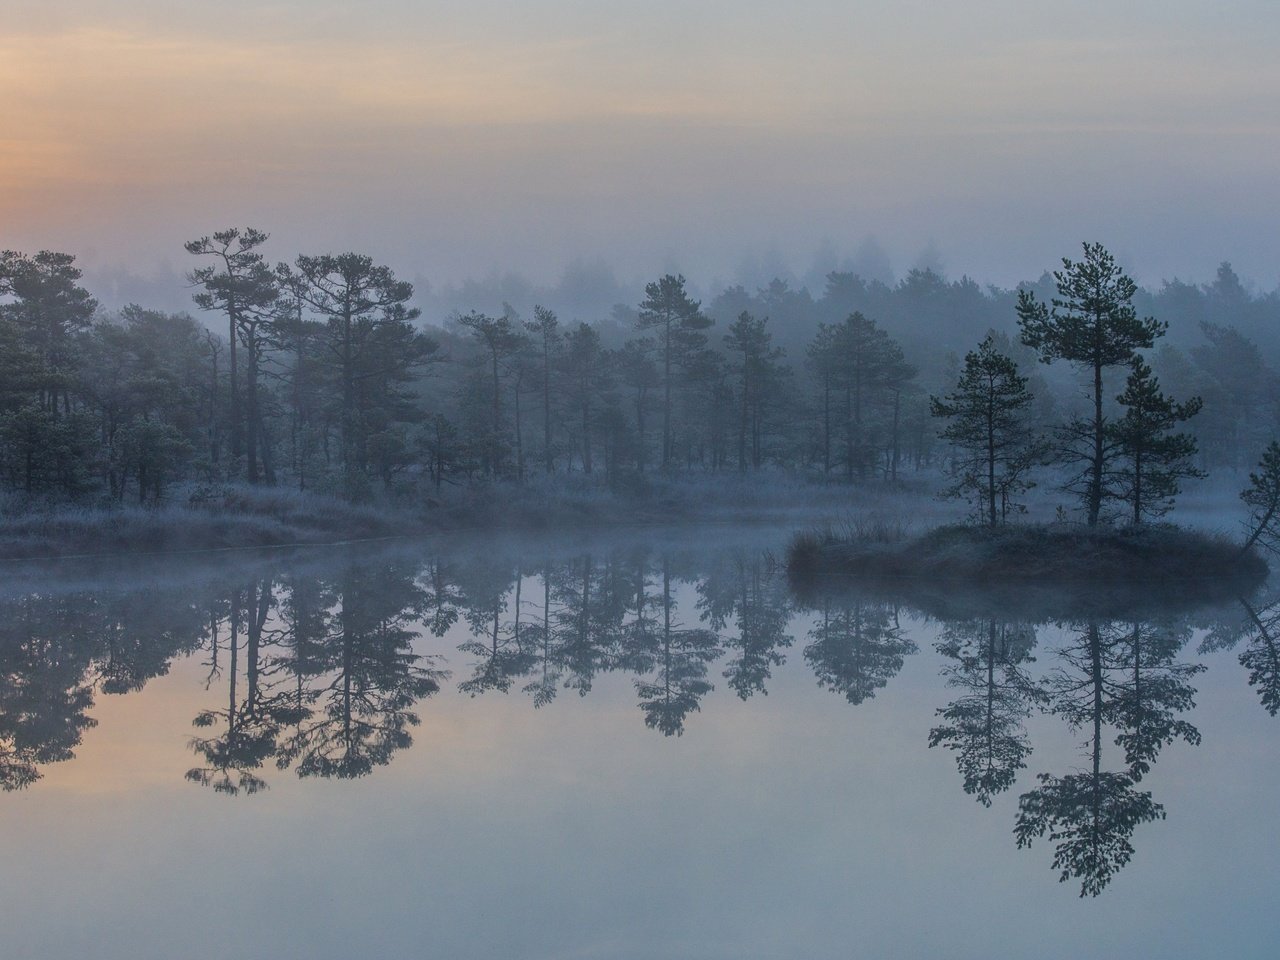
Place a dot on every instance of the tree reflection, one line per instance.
(43, 695)
(753, 599)
(985, 726)
(57, 651)
(546, 667)
(500, 657)
(1257, 626)
(250, 726)
(679, 682)
(592, 599)
(320, 676)
(1125, 676)
(857, 647)
(361, 705)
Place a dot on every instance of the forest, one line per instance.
(320, 374)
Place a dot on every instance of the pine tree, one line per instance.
(364, 307)
(757, 369)
(679, 320)
(544, 328)
(1153, 458)
(241, 285)
(500, 340)
(988, 425)
(1262, 496)
(1093, 324)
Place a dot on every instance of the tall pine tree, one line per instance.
(1091, 323)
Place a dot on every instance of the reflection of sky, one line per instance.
(453, 138)
(792, 825)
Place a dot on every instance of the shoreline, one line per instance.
(242, 518)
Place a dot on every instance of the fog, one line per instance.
(466, 139)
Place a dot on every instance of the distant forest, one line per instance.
(321, 374)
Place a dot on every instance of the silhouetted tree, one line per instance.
(639, 373)
(369, 342)
(1262, 497)
(758, 372)
(1091, 323)
(49, 311)
(586, 377)
(240, 284)
(1153, 459)
(678, 319)
(544, 328)
(989, 427)
(500, 341)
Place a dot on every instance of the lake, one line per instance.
(636, 745)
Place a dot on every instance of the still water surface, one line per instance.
(644, 746)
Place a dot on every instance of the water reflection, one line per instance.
(1125, 678)
(329, 684)
(1255, 629)
(322, 670)
(988, 662)
(857, 647)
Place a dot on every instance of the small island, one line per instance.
(1034, 553)
(1122, 461)
(1064, 568)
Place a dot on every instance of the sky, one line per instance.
(458, 139)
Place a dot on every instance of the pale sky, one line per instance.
(452, 139)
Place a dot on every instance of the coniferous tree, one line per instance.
(49, 312)
(989, 427)
(868, 364)
(368, 335)
(638, 372)
(678, 320)
(500, 341)
(757, 369)
(240, 284)
(1262, 497)
(1153, 459)
(544, 328)
(1091, 323)
(824, 362)
(586, 377)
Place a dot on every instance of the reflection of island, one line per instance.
(1119, 680)
(985, 725)
(1124, 676)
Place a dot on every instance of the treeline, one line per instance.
(319, 374)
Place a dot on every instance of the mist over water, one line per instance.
(622, 746)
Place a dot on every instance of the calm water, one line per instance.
(644, 746)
